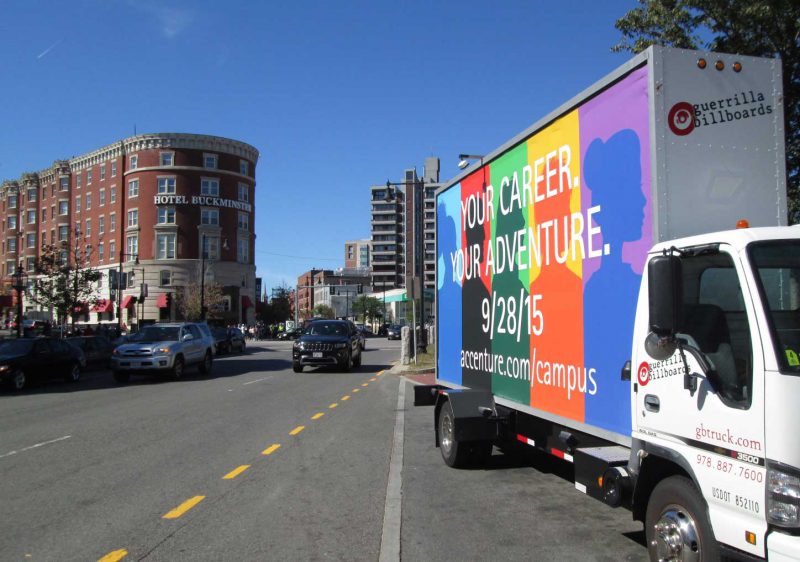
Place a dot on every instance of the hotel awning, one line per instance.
(103, 305)
(246, 302)
(163, 300)
(128, 300)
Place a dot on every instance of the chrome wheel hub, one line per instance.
(675, 537)
(446, 436)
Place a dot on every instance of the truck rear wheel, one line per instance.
(459, 454)
(676, 524)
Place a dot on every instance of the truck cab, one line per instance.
(713, 396)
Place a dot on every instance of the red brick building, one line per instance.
(155, 198)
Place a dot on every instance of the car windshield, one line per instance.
(327, 329)
(15, 347)
(152, 334)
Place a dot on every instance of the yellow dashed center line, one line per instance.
(317, 416)
(183, 508)
(365, 384)
(356, 390)
(332, 406)
(236, 472)
(271, 449)
(345, 398)
(373, 379)
(379, 373)
(297, 430)
(114, 555)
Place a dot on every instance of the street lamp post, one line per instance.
(19, 286)
(122, 256)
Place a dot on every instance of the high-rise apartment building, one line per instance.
(357, 254)
(403, 228)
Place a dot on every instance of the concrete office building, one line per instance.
(145, 206)
(403, 228)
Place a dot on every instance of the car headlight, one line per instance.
(299, 346)
(4, 368)
(783, 495)
(165, 350)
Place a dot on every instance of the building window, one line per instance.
(30, 240)
(44, 215)
(167, 158)
(209, 216)
(166, 215)
(244, 221)
(134, 161)
(166, 185)
(11, 267)
(12, 201)
(102, 198)
(31, 217)
(243, 167)
(242, 251)
(133, 188)
(210, 161)
(52, 212)
(113, 195)
(166, 246)
(11, 244)
(244, 193)
(88, 201)
(88, 232)
(89, 177)
(101, 250)
(112, 249)
(78, 204)
(101, 225)
(112, 222)
(88, 251)
(63, 184)
(132, 246)
(102, 171)
(44, 237)
(78, 179)
(209, 187)
(133, 217)
(62, 257)
(30, 264)
(114, 169)
(31, 195)
(63, 233)
(12, 221)
(211, 247)
(165, 278)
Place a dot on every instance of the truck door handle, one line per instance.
(652, 403)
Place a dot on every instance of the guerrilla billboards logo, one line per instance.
(684, 117)
(643, 374)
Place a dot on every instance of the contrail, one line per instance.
(50, 48)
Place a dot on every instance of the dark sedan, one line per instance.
(26, 359)
(228, 339)
(97, 349)
(393, 332)
(327, 343)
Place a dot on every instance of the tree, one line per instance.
(63, 280)
(368, 307)
(323, 311)
(764, 28)
(187, 301)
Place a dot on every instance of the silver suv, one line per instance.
(165, 348)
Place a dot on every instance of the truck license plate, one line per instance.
(317, 355)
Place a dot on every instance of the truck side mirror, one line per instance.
(665, 292)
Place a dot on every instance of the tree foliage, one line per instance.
(323, 311)
(369, 308)
(63, 280)
(187, 301)
(764, 28)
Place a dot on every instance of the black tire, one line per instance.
(677, 511)
(357, 360)
(18, 380)
(297, 367)
(243, 347)
(205, 366)
(177, 368)
(74, 373)
(347, 364)
(454, 453)
(121, 376)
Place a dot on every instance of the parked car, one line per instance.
(96, 349)
(25, 359)
(228, 339)
(328, 342)
(292, 334)
(393, 332)
(165, 348)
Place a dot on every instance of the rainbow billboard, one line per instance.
(540, 255)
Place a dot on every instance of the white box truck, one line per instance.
(617, 286)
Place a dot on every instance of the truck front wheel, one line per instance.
(676, 524)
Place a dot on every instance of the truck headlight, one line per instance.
(783, 495)
(162, 350)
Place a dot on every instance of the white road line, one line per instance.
(392, 512)
(35, 446)
(257, 380)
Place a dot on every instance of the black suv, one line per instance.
(327, 342)
(24, 359)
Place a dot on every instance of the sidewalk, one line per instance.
(417, 375)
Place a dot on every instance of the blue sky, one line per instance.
(337, 96)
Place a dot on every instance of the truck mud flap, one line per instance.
(426, 394)
(472, 413)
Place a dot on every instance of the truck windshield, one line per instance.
(777, 267)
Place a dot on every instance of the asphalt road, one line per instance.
(256, 462)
